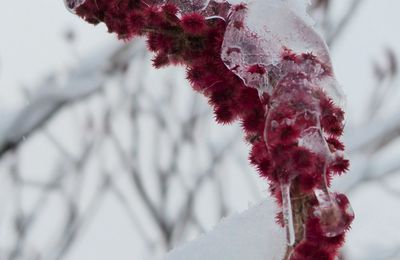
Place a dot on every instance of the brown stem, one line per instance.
(300, 208)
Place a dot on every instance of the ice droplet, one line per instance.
(73, 4)
(287, 213)
(334, 218)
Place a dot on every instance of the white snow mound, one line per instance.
(252, 234)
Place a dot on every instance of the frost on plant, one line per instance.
(263, 64)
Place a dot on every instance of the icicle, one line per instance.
(287, 213)
(73, 4)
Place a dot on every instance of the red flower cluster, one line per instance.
(298, 110)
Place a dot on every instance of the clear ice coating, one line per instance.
(258, 34)
(73, 4)
(287, 214)
(187, 6)
(208, 8)
(184, 6)
(313, 139)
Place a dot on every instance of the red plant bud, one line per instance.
(170, 9)
(224, 114)
(256, 69)
(154, 16)
(135, 22)
(335, 144)
(160, 60)
(194, 23)
(339, 165)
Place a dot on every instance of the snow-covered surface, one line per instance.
(252, 234)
